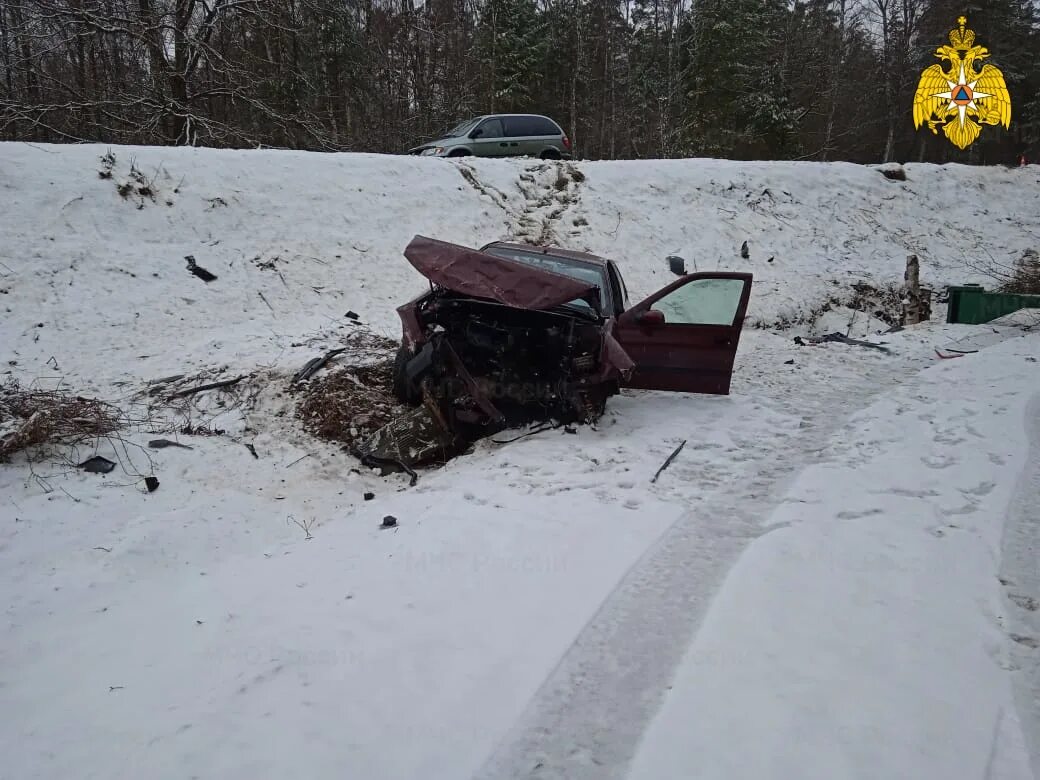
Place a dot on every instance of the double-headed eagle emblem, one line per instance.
(962, 99)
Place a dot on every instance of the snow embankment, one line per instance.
(299, 239)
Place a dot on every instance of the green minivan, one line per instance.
(501, 135)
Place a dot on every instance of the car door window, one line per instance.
(492, 128)
(517, 126)
(702, 302)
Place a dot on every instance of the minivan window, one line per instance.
(492, 128)
(461, 129)
(530, 125)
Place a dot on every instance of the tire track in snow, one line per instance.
(549, 190)
(1020, 571)
(587, 719)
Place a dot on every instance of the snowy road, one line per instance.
(870, 635)
(590, 715)
(1020, 575)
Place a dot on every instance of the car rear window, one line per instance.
(530, 125)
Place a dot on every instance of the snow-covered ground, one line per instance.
(812, 589)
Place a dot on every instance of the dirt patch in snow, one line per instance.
(348, 404)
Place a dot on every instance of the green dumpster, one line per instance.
(970, 304)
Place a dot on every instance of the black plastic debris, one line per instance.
(369, 496)
(789, 362)
(314, 365)
(152, 483)
(744, 251)
(352, 315)
(676, 265)
(97, 465)
(198, 270)
(389, 522)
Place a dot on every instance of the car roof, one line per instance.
(551, 250)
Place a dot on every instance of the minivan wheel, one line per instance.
(459, 153)
(550, 154)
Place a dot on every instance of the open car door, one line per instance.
(685, 336)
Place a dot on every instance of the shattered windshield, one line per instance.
(461, 128)
(576, 269)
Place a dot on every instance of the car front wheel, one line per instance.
(404, 391)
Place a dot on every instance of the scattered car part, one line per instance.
(314, 365)
(198, 270)
(97, 465)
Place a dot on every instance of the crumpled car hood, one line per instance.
(480, 275)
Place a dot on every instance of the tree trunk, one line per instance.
(157, 60)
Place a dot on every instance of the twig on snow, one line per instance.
(210, 386)
(306, 525)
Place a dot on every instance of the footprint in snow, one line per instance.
(939, 461)
(1025, 602)
(1028, 641)
(909, 493)
(982, 489)
(858, 515)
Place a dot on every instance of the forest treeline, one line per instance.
(745, 79)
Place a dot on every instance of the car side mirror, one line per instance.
(651, 318)
(476, 133)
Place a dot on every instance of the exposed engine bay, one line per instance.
(484, 366)
(489, 364)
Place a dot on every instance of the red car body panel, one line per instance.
(470, 272)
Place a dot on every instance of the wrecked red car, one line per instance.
(512, 333)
